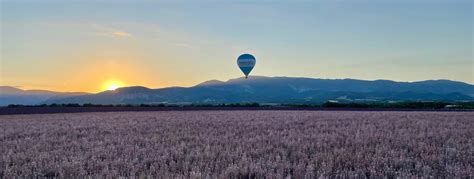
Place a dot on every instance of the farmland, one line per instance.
(238, 144)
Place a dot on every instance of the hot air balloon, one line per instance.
(246, 63)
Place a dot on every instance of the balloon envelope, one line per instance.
(246, 63)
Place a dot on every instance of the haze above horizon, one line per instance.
(91, 46)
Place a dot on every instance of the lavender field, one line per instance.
(238, 144)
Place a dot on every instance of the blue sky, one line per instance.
(80, 45)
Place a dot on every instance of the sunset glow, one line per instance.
(112, 85)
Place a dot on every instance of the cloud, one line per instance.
(110, 31)
(97, 29)
(121, 34)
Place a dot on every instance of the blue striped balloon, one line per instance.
(246, 63)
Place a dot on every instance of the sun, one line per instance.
(112, 85)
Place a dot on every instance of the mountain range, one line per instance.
(12, 95)
(257, 89)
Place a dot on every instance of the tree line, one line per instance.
(406, 104)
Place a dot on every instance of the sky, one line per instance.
(91, 46)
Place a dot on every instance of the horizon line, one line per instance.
(250, 77)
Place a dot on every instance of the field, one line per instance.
(239, 144)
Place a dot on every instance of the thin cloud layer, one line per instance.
(111, 32)
(121, 34)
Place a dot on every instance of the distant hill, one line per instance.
(12, 95)
(283, 90)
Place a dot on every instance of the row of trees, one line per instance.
(408, 105)
(139, 105)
